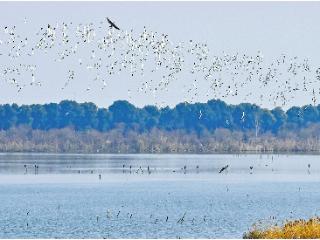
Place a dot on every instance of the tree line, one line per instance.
(198, 118)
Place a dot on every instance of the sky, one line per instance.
(273, 28)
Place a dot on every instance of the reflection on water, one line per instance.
(152, 196)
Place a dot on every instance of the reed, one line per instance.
(291, 229)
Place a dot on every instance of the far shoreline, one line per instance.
(313, 153)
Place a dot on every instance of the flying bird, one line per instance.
(112, 24)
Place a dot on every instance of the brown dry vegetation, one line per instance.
(296, 229)
(67, 140)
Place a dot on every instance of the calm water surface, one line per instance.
(160, 196)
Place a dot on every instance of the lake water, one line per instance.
(177, 196)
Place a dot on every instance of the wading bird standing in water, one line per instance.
(251, 168)
(181, 220)
(185, 169)
(223, 169)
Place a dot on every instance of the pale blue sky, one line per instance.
(271, 27)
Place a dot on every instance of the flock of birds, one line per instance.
(149, 170)
(185, 218)
(105, 50)
(123, 214)
(111, 215)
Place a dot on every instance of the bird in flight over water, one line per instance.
(112, 24)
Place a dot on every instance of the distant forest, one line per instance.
(201, 127)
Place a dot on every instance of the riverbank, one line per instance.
(68, 140)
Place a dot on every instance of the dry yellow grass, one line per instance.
(296, 229)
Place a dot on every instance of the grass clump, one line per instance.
(296, 229)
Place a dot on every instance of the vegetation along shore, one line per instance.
(212, 127)
(293, 229)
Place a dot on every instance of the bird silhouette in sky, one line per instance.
(112, 24)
